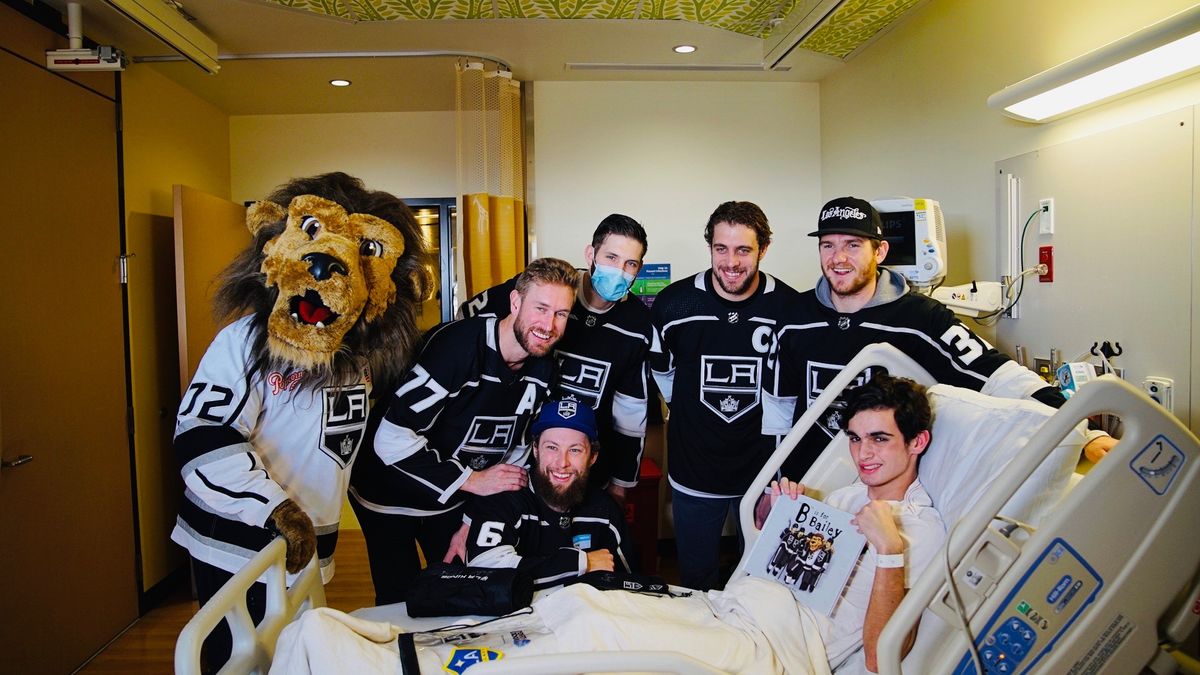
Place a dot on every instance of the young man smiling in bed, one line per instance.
(887, 422)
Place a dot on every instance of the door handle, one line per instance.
(10, 463)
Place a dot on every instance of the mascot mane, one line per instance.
(384, 342)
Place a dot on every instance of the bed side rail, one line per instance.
(253, 647)
(832, 469)
(1087, 590)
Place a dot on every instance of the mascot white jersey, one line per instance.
(319, 305)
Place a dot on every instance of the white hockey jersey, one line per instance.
(248, 440)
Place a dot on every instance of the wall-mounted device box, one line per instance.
(1046, 257)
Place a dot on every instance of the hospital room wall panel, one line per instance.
(666, 154)
(1123, 249)
(909, 117)
(407, 154)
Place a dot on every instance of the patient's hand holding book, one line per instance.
(809, 547)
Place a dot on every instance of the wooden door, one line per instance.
(209, 233)
(66, 517)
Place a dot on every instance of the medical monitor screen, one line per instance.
(899, 231)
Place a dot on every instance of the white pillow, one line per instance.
(974, 438)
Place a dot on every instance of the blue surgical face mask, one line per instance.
(611, 283)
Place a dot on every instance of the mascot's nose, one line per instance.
(322, 265)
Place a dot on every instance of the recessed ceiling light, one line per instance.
(684, 49)
(340, 83)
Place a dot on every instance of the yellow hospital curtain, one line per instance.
(491, 177)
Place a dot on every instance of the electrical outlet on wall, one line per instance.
(1160, 389)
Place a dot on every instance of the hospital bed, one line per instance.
(1098, 578)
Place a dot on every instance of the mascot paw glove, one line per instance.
(296, 528)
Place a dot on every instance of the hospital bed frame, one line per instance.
(1127, 611)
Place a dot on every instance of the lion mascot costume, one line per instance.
(321, 305)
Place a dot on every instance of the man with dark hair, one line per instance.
(858, 302)
(456, 424)
(716, 334)
(559, 526)
(887, 422)
(602, 354)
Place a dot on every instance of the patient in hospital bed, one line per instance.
(754, 625)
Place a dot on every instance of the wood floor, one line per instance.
(148, 646)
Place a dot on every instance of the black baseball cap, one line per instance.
(849, 215)
(568, 413)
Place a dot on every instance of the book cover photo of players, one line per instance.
(809, 547)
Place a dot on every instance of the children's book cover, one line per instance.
(809, 547)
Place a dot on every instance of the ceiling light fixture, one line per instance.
(340, 83)
(684, 49)
(1153, 55)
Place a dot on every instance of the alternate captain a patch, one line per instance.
(730, 385)
(344, 421)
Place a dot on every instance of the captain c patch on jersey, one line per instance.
(730, 385)
(582, 377)
(344, 421)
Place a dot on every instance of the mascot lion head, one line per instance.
(333, 277)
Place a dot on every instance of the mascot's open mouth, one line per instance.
(310, 310)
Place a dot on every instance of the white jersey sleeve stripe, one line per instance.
(629, 415)
(777, 413)
(394, 442)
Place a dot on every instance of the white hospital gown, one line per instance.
(923, 531)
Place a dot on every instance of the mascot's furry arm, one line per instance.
(291, 522)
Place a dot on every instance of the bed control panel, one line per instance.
(1047, 599)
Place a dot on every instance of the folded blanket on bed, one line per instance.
(325, 640)
(753, 626)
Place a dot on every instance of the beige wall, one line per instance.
(170, 136)
(667, 153)
(909, 116)
(407, 154)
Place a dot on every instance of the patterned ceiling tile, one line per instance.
(388, 10)
(568, 9)
(852, 24)
(326, 7)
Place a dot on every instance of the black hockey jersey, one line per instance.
(459, 409)
(818, 341)
(710, 366)
(518, 529)
(247, 440)
(601, 360)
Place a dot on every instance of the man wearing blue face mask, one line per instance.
(602, 354)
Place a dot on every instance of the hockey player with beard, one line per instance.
(717, 334)
(559, 527)
(602, 354)
(858, 302)
(456, 426)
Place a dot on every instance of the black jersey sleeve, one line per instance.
(401, 441)
(491, 302)
(495, 539)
